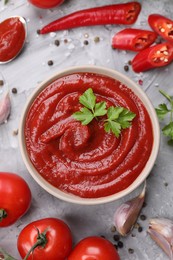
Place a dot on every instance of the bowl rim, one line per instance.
(130, 84)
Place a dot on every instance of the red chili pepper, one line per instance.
(133, 39)
(162, 25)
(155, 56)
(110, 14)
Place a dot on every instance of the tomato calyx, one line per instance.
(3, 214)
(41, 241)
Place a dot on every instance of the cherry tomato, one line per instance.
(46, 3)
(94, 248)
(53, 238)
(162, 25)
(155, 56)
(133, 39)
(15, 198)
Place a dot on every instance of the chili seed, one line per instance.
(86, 35)
(1, 82)
(140, 82)
(126, 68)
(131, 251)
(116, 237)
(120, 244)
(96, 39)
(50, 63)
(14, 90)
(162, 30)
(57, 42)
(86, 42)
(143, 217)
(136, 225)
(140, 229)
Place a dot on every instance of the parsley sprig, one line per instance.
(118, 118)
(162, 111)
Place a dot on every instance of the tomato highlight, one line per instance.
(46, 3)
(133, 39)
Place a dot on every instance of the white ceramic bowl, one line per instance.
(67, 196)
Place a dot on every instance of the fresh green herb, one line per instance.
(6, 2)
(162, 111)
(91, 109)
(118, 118)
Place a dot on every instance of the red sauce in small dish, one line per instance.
(12, 38)
(85, 160)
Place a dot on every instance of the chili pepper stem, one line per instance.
(3, 214)
(41, 241)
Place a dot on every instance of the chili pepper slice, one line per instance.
(111, 14)
(162, 25)
(133, 39)
(155, 56)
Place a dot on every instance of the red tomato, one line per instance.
(46, 3)
(94, 248)
(15, 198)
(56, 243)
(162, 25)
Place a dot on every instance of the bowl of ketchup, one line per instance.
(85, 163)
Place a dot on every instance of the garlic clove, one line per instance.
(5, 108)
(161, 231)
(127, 213)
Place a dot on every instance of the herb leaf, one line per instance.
(100, 109)
(5, 2)
(118, 118)
(84, 115)
(162, 111)
(88, 99)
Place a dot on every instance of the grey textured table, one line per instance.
(30, 68)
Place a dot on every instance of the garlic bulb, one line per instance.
(127, 213)
(161, 231)
(5, 107)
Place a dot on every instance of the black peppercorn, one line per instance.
(126, 68)
(14, 90)
(140, 229)
(50, 63)
(57, 42)
(86, 42)
(116, 237)
(1, 82)
(120, 244)
(143, 217)
(131, 251)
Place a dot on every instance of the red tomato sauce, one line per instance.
(12, 37)
(85, 160)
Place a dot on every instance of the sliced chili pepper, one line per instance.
(162, 25)
(155, 56)
(133, 39)
(111, 14)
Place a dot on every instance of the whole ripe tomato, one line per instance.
(94, 248)
(46, 3)
(53, 238)
(15, 198)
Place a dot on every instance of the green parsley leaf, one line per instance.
(118, 118)
(100, 109)
(84, 115)
(162, 111)
(88, 99)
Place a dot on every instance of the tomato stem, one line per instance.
(5, 256)
(41, 241)
(3, 214)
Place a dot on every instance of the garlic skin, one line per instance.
(161, 231)
(127, 213)
(5, 108)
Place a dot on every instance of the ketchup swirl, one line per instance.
(85, 160)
